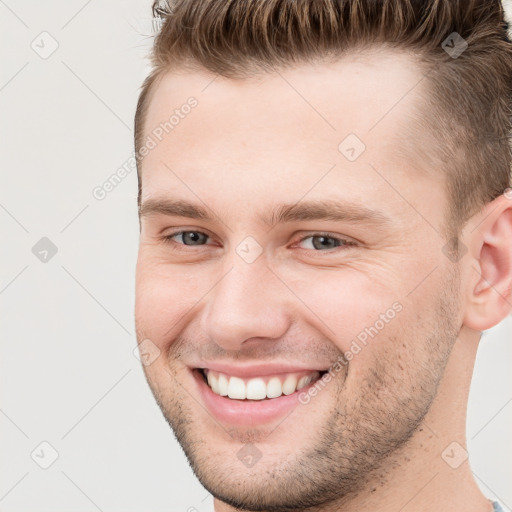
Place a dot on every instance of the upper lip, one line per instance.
(256, 370)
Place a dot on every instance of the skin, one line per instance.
(373, 437)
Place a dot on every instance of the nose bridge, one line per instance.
(245, 304)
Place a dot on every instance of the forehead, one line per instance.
(355, 92)
(287, 128)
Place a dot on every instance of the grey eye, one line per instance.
(191, 237)
(323, 242)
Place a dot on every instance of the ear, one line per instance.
(489, 239)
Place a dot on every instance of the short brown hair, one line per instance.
(470, 105)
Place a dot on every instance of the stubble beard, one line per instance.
(372, 421)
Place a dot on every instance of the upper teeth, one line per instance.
(260, 387)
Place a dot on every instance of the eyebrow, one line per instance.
(331, 210)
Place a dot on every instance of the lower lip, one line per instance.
(246, 412)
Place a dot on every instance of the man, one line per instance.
(326, 230)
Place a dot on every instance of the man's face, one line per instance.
(302, 292)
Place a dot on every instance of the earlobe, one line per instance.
(490, 275)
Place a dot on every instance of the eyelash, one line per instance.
(344, 243)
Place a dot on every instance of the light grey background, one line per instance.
(68, 374)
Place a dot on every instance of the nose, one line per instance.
(248, 302)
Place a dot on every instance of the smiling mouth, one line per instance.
(259, 388)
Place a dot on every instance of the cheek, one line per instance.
(350, 307)
(164, 294)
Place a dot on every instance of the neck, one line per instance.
(431, 473)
